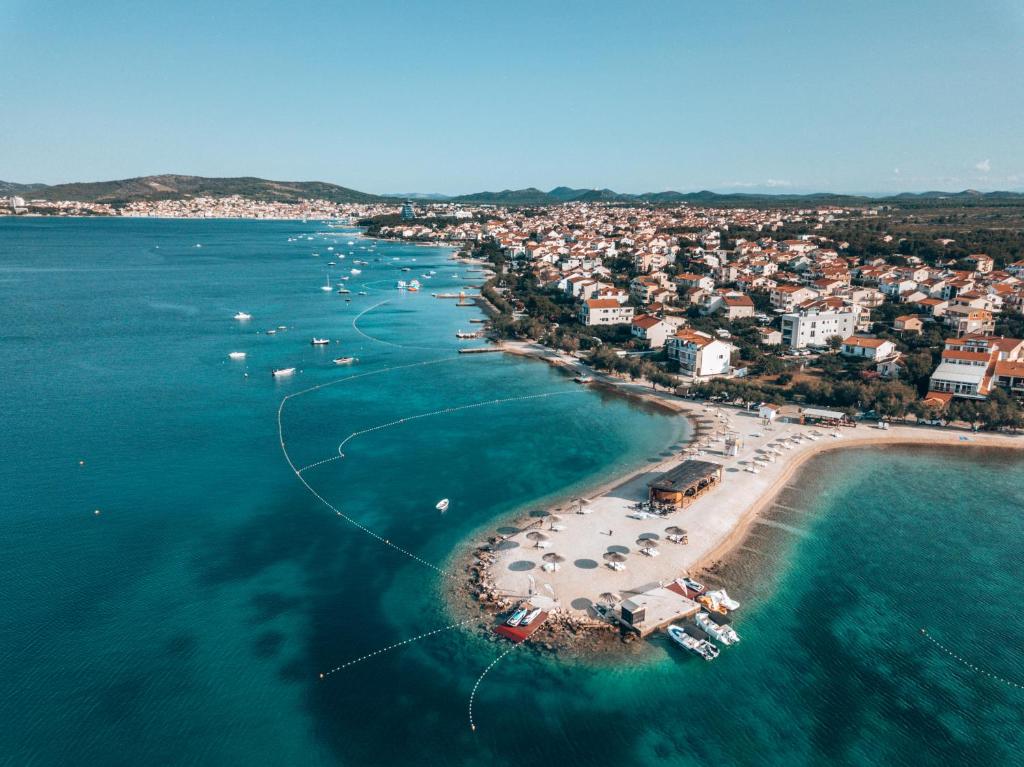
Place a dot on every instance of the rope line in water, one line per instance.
(367, 336)
(479, 679)
(968, 664)
(355, 523)
(355, 327)
(442, 411)
(410, 640)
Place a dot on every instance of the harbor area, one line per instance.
(652, 608)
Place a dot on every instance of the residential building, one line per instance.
(605, 311)
(651, 330)
(964, 320)
(786, 297)
(814, 323)
(699, 354)
(910, 324)
(864, 347)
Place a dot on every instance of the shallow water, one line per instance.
(188, 622)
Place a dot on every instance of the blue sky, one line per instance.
(786, 95)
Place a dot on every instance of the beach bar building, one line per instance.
(824, 417)
(686, 483)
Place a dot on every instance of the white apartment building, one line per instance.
(815, 324)
(699, 354)
(605, 311)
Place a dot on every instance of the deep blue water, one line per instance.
(187, 623)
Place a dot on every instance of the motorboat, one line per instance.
(400, 285)
(320, 341)
(327, 285)
(355, 271)
(363, 293)
(236, 355)
(243, 316)
(413, 285)
(462, 334)
(283, 372)
(442, 505)
(530, 617)
(723, 632)
(343, 291)
(516, 617)
(272, 332)
(344, 360)
(701, 647)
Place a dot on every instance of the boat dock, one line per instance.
(480, 350)
(655, 608)
(519, 634)
(457, 295)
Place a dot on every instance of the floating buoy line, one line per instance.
(368, 531)
(395, 646)
(968, 664)
(479, 679)
(442, 411)
(354, 522)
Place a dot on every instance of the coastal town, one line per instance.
(716, 303)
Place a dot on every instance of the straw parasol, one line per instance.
(647, 543)
(554, 519)
(675, 530)
(610, 597)
(538, 536)
(553, 557)
(614, 556)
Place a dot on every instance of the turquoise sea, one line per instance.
(188, 622)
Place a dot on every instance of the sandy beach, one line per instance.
(584, 531)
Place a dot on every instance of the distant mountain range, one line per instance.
(167, 187)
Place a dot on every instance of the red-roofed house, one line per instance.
(605, 311)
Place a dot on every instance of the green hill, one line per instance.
(171, 187)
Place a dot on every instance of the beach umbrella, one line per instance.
(538, 536)
(610, 596)
(554, 518)
(614, 556)
(553, 557)
(647, 543)
(675, 530)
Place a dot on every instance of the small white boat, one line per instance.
(236, 355)
(724, 633)
(320, 341)
(691, 584)
(355, 271)
(327, 285)
(442, 505)
(530, 617)
(363, 293)
(271, 332)
(516, 617)
(243, 316)
(344, 360)
(701, 647)
(462, 334)
(400, 284)
(344, 291)
(283, 372)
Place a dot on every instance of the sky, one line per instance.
(865, 96)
